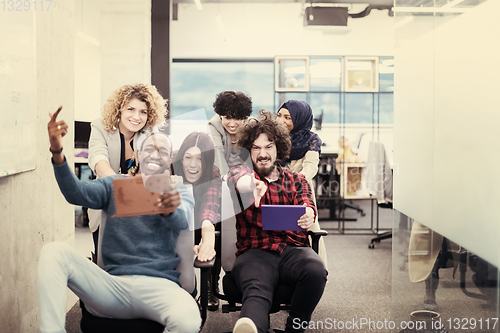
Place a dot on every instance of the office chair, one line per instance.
(187, 279)
(349, 203)
(226, 249)
(379, 182)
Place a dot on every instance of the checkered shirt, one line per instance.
(291, 188)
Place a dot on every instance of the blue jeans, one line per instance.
(123, 297)
(257, 273)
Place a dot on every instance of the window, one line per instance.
(291, 74)
(195, 85)
(325, 74)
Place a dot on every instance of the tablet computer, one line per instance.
(282, 217)
(134, 197)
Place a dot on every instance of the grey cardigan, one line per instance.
(104, 145)
(224, 158)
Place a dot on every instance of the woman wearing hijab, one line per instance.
(297, 116)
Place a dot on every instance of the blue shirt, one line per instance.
(135, 245)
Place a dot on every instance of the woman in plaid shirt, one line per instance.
(266, 257)
(195, 163)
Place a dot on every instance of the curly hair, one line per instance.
(265, 123)
(233, 105)
(157, 105)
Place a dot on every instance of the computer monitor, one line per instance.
(82, 134)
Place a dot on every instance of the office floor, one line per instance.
(359, 280)
(363, 284)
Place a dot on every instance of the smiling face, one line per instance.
(133, 117)
(191, 164)
(285, 118)
(263, 154)
(155, 154)
(230, 124)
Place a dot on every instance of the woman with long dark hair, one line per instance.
(195, 163)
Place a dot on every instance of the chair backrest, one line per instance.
(184, 248)
(228, 229)
(378, 173)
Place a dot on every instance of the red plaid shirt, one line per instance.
(207, 200)
(290, 189)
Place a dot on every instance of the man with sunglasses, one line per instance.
(139, 279)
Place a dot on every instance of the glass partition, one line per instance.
(445, 236)
(439, 285)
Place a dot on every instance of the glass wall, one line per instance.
(439, 285)
(195, 84)
(445, 235)
(340, 113)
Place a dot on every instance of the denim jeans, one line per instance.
(257, 273)
(123, 297)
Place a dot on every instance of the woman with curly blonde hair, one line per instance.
(129, 112)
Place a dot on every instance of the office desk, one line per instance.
(333, 189)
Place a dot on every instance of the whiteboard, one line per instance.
(17, 92)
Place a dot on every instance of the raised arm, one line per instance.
(57, 130)
(88, 194)
(210, 207)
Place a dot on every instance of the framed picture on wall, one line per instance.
(291, 73)
(361, 74)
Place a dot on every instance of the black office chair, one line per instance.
(185, 243)
(226, 249)
(94, 324)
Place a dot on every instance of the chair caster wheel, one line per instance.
(363, 213)
(371, 246)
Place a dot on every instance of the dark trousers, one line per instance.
(257, 273)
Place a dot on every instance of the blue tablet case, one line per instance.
(282, 217)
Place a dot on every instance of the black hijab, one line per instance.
(303, 140)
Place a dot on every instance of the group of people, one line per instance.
(138, 278)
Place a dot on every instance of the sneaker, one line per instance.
(245, 325)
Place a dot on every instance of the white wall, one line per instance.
(125, 44)
(112, 48)
(446, 126)
(32, 209)
(266, 30)
(87, 59)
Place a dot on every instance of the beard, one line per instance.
(264, 172)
